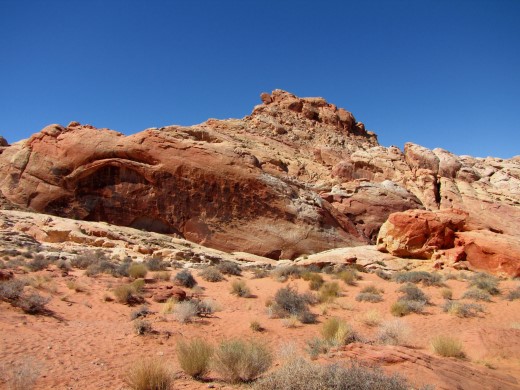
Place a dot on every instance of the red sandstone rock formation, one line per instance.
(298, 175)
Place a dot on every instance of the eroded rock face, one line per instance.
(297, 176)
(419, 233)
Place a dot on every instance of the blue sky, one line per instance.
(440, 73)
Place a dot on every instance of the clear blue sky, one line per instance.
(441, 73)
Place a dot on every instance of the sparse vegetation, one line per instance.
(229, 268)
(128, 294)
(300, 374)
(22, 376)
(447, 346)
(393, 332)
(513, 294)
(149, 374)
(350, 276)
(329, 291)
(184, 278)
(369, 294)
(371, 318)
(155, 264)
(143, 311)
(142, 327)
(462, 309)
(240, 289)
(241, 361)
(184, 311)
(315, 280)
(288, 302)
(412, 293)
(137, 270)
(163, 276)
(38, 263)
(383, 275)
(427, 278)
(337, 332)
(194, 356)
(255, 326)
(485, 282)
(477, 294)
(446, 293)
(211, 274)
(316, 346)
(282, 274)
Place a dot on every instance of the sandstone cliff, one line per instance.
(297, 176)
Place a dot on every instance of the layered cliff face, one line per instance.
(296, 176)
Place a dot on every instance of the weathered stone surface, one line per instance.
(492, 252)
(419, 233)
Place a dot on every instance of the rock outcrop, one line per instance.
(297, 176)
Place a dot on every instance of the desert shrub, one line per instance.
(149, 374)
(329, 291)
(84, 260)
(371, 318)
(11, 290)
(403, 307)
(137, 270)
(427, 278)
(446, 293)
(412, 293)
(22, 376)
(241, 361)
(168, 306)
(255, 326)
(290, 322)
(184, 311)
(240, 289)
(307, 317)
(337, 332)
(513, 294)
(477, 294)
(38, 263)
(143, 311)
(229, 268)
(194, 356)
(462, 309)
(260, 273)
(288, 302)
(184, 278)
(485, 282)
(289, 271)
(32, 303)
(128, 293)
(315, 280)
(369, 297)
(101, 267)
(299, 374)
(382, 274)
(142, 327)
(316, 346)
(393, 332)
(349, 276)
(163, 276)
(211, 274)
(447, 346)
(155, 264)
(206, 307)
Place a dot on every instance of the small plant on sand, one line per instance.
(299, 374)
(447, 346)
(162, 276)
(127, 294)
(284, 273)
(168, 306)
(446, 293)
(315, 280)
(194, 356)
(185, 311)
(369, 294)
(337, 332)
(485, 282)
(185, 279)
(255, 326)
(462, 309)
(149, 374)
(142, 327)
(288, 302)
(38, 263)
(383, 275)
(477, 294)
(155, 264)
(22, 376)
(229, 268)
(211, 274)
(426, 278)
(412, 300)
(143, 311)
(290, 322)
(350, 276)
(241, 361)
(513, 294)
(316, 346)
(371, 318)
(393, 332)
(329, 291)
(240, 289)
(137, 270)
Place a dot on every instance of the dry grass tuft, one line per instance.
(447, 346)
(149, 374)
(194, 357)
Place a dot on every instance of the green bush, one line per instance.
(241, 361)
(194, 357)
(288, 302)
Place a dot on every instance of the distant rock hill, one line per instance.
(297, 176)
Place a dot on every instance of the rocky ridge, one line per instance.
(297, 176)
